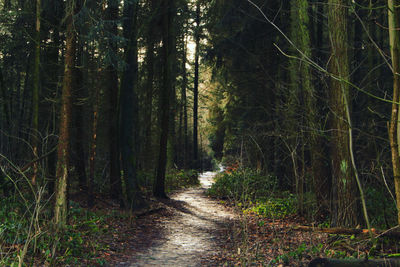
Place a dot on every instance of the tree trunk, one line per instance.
(185, 113)
(344, 186)
(93, 145)
(129, 109)
(63, 151)
(78, 143)
(111, 79)
(148, 157)
(168, 54)
(196, 89)
(394, 130)
(35, 98)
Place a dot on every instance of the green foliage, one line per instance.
(177, 179)
(300, 253)
(80, 238)
(243, 185)
(381, 208)
(275, 207)
(78, 241)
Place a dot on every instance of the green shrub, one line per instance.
(381, 208)
(275, 207)
(177, 179)
(243, 185)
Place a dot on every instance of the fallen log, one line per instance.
(349, 231)
(325, 262)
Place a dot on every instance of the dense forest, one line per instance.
(127, 101)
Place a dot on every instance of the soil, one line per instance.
(190, 231)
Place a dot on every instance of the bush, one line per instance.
(243, 185)
(381, 208)
(275, 208)
(177, 179)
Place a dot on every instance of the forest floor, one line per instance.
(189, 229)
(192, 229)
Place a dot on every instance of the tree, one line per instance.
(129, 108)
(168, 57)
(63, 150)
(36, 85)
(394, 130)
(196, 88)
(111, 80)
(149, 83)
(344, 211)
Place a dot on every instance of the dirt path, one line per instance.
(192, 233)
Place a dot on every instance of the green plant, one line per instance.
(243, 185)
(275, 207)
(177, 179)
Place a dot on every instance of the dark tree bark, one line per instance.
(63, 151)
(93, 145)
(78, 144)
(149, 87)
(129, 108)
(168, 55)
(183, 130)
(196, 89)
(36, 85)
(345, 192)
(111, 85)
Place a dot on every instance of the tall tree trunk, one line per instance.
(171, 146)
(196, 89)
(319, 166)
(183, 110)
(52, 84)
(129, 108)
(344, 186)
(93, 145)
(168, 54)
(394, 130)
(79, 93)
(63, 151)
(111, 79)
(185, 106)
(36, 85)
(149, 88)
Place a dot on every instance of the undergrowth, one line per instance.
(27, 237)
(265, 233)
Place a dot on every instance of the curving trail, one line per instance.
(192, 233)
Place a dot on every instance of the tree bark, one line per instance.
(78, 143)
(344, 210)
(149, 88)
(185, 113)
(394, 130)
(196, 89)
(129, 109)
(36, 85)
(93, 145)
(168, 54)
(63, 151)
(111, 79)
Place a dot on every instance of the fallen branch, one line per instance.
(324, 262)
(348, 231)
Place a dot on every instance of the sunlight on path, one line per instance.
(190, 234)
